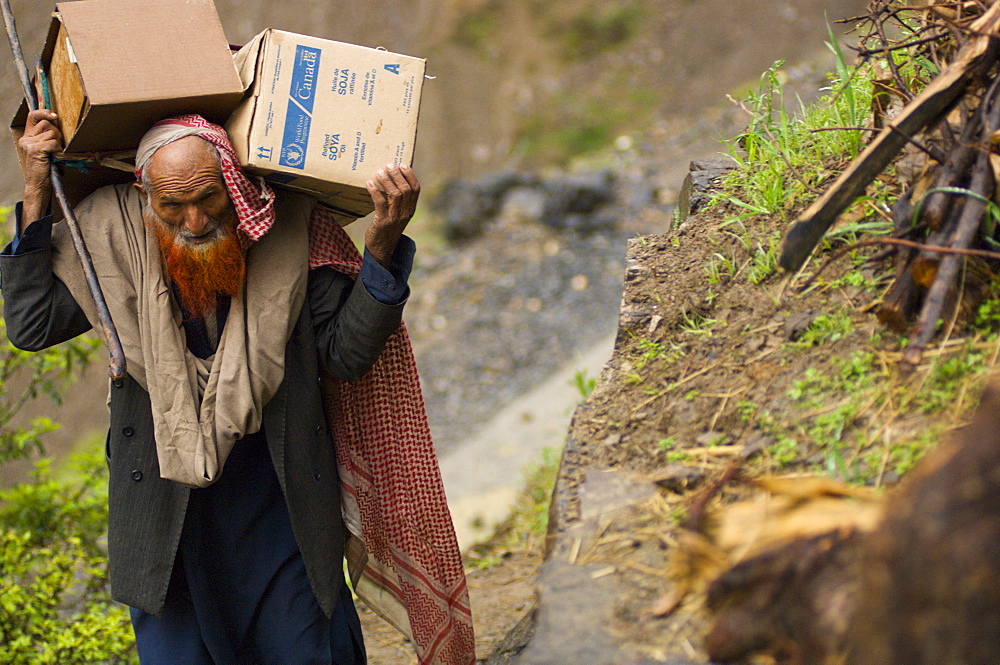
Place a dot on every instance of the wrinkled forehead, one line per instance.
(187, 153)
(159, 136)
(189, 165)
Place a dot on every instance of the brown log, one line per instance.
(965, 233)
(924, 266)
(923, 270)
(900, 303)
(928, 107)
(937, 205)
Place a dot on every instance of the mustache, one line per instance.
(218, 229)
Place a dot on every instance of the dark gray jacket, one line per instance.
(341, 328)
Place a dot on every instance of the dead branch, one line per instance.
(925, 109)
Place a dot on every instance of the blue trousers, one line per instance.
(239, 594)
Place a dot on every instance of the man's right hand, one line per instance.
(41, 138)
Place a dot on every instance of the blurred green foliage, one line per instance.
(581, 120)
(55, 603)
(600, 27)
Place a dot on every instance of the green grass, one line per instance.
(525, 529)
(720, 269)
(583, 383)
(478, 29)
(695, 323)
(842, 410)
(783, 157)
(854, 416)
(578, 125)
(826, 328)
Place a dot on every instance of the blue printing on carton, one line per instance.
(298, 119)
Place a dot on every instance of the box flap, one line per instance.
(137, 50)
(68, 98)
(246, 59)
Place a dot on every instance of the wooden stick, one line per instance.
(925, 266)
(965, 233)
(117, 360)
(899, 304)
(901, 301)
(937, 205)
(926, 108)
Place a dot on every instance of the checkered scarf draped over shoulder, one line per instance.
(394, 503)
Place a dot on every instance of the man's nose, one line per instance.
(195, 221)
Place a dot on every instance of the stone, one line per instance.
(702, 178)
(678, 477)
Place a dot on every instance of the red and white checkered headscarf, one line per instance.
(393, 496)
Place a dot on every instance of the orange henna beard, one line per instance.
(202, 273)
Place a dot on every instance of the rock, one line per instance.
(576, 601)
(514, 642)
(604, 492)
(572, 607)
(755, 445)
(574, 202)
(678, 477)
(797, 322)
(467, 206)
(703, 176)
(566, 202)
(522, 205)
(710, 438)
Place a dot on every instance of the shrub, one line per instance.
(55, 605)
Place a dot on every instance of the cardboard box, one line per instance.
(115, 67)
(322, 116)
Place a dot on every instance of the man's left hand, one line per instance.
(395, 191)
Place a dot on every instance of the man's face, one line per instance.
(187, 194)
(195, 223)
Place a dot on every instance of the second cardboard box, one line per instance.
(322, 116)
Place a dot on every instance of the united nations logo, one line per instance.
(293, 155)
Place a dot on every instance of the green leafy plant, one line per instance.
(525, 529)
(583, 383)
(55, 604)
(597, 28)
(720, 268)
(669, 443)
(696, 324)
(764, 262)
(784, 157)
(826, 328)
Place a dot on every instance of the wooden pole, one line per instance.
(117, 353)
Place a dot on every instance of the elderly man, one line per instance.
(225, 534)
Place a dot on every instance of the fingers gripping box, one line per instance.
(322, 116)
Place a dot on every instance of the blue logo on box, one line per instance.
(298, 119)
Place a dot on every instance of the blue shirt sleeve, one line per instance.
(37, 236)
(390, 286)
